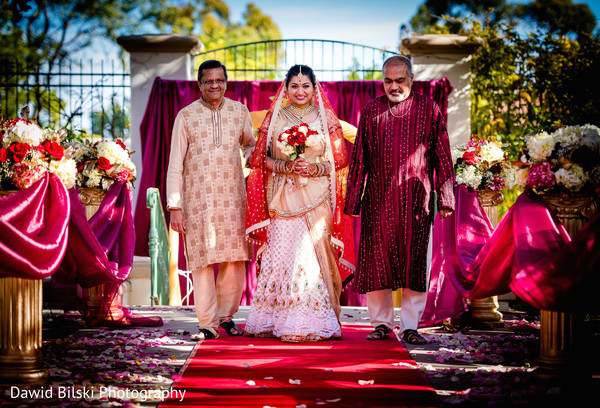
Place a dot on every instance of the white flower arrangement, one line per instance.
(567, 160)
(28, 153)
(482, 165)
(103, 162)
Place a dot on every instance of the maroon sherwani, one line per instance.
(398, 162)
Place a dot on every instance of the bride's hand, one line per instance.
(302, 167)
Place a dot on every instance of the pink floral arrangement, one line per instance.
(28, 153)
(482, 165)
(566, 160)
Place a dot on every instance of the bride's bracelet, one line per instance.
(281, 166)
(320, 169)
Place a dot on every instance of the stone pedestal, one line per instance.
(21, 359)
(94, 297)
(486, 310)
(561, 343)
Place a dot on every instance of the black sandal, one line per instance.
(203, 334)
(381, 332)
(232, 329)
(412, 336)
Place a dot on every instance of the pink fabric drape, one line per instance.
(33, 229)
(99, 250)
(167, 97)
(529, 253)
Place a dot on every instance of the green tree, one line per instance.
(217, 31)
(359, 72)
(557, 16)
(39, 35)
(112, 123)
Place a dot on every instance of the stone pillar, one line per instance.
(436, 56)
(152, 56)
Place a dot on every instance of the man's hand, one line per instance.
(177, 222)
(444, 213)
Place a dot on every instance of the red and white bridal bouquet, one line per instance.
(28, 153)
(294, 140)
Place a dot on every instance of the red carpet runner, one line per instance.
(257, 372)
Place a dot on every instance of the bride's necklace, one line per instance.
(301, 112)
(407, 108)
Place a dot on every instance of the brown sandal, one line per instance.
(381, 332)
(232, 329)
(413, 337)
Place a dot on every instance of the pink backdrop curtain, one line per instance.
(167, 97)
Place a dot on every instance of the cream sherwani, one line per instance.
(205, 179)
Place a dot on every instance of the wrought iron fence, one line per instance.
(86, 96)
(270, 60)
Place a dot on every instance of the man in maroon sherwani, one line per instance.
(401, 156)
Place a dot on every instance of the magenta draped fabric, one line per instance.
(529, 253)
(33, 229)
(167, 97)
(443, 300)
(100, 251)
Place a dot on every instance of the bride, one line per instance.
(294, 214)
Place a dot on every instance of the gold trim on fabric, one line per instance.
(300, 211)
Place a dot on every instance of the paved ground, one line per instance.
(495, 367)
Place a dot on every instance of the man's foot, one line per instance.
(381, 332)
(413, 337)
(232, 329)
(204, 334)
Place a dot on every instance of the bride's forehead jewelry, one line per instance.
(300, 74)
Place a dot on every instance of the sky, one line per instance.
(374, 23)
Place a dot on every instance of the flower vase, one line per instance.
(21, 360)
(96, 296)
(486, 310)
(561, 333)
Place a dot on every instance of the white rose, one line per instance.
(573, 178)
(65, 169)
(22, 132)
(491, 153)
(469, 176)
(313, 140)
(540, 146)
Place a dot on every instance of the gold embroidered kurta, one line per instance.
(205, 179)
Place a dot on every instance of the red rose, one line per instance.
(40, 149)
(54, 149)
(3, 155)
(19, 150)
(300, 138)
(104, 164)
(470, 157)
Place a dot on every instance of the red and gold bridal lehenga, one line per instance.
(304, 240)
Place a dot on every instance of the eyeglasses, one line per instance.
(213, 82)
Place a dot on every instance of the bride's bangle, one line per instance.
(288, 169)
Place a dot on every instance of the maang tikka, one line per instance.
(300, 73)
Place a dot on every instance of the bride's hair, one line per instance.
(295, 70)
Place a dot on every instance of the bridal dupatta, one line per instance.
(257, 214)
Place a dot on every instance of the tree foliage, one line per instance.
(523, 85)
(561, 17)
